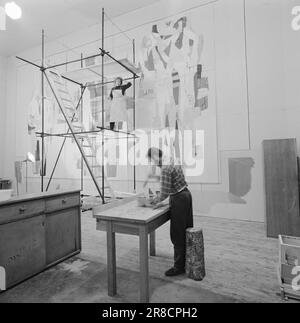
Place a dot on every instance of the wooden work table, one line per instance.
(128, 218)
(38, 231)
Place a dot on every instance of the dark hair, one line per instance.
(120, 79)
(153, 151)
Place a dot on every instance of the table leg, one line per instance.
(152, 244)
(144, 266)
(111, 260)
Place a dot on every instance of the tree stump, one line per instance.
(195, 260)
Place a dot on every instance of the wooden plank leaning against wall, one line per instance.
(282, 187)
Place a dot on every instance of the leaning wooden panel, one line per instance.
(282, 187)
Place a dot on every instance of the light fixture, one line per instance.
(13, 10)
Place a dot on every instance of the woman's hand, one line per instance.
(158, 203)
(158, 206)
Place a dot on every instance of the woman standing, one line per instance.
(118, 111)
(175, 187)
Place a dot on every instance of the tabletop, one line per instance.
(130, 212)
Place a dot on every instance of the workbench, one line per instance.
(129, 218)
(38, 231)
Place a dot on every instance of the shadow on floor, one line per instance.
(78, 281)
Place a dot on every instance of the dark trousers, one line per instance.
(181, 206)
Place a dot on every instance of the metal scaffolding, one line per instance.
(71, 133)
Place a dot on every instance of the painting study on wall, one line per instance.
(177, 88)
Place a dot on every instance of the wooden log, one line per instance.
(195, 260)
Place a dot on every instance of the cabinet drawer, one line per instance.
(21, 211)
(62, 202)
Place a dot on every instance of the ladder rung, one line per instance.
(66, 99)
(54, 72)
(59, 83)
(63, 91)
(69, 105)
(55, 75)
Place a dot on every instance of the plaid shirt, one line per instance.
(172, 181)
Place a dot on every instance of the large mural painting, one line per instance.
(177, 90)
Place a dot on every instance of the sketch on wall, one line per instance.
(240, 178)
(237, 186)
(34, 125)
(177, 86)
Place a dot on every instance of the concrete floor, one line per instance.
(240, 263)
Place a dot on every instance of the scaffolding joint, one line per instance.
(103, 52)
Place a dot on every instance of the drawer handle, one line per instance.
(64, 202)
(22, 209)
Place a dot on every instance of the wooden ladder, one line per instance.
(77, 130)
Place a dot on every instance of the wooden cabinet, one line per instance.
(37, 232)
(282, 188)
(22, 248)
(62, 234)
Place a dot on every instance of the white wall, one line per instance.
(264, 105)
(3, 81)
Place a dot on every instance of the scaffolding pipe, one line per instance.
(43, 69)
(43, 112)
(75, 138)
(103, 103)
(63, 144)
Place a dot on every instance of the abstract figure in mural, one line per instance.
(95, 116)
(156, 76)
(35, 113)
(170, 59)
(201, 87)
(34, 124)
(184, 50)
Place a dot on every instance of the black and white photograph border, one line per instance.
(149, 154)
